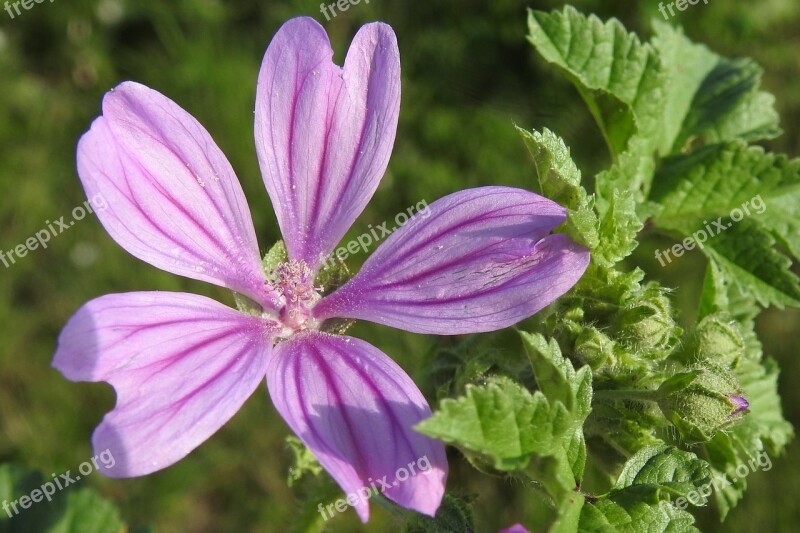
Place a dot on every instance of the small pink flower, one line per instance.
(182, 365)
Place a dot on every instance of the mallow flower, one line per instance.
(182, 364)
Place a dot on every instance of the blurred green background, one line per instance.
(468, 77)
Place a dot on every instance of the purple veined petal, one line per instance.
(182, 365)
(168, 195)
(324, 134)
(481, 260)
(355, 408)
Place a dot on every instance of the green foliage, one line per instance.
(620, 78)
(628, 411)
(639, 500)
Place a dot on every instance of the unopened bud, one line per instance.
(719, 340)
(647, 324)
(594, 348)
(711, 402)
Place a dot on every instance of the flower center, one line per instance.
(294, 282)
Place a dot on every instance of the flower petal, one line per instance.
(355, 408)
(481, 260)
(172, 199)
(324, 134)
(182, 365)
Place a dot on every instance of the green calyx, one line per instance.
(712, 401)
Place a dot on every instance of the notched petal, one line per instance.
(182, 365)
(324, 134)
(482, 260)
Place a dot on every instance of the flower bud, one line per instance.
(711, 402)
(594, 348)
(647, 325)
(719, 340)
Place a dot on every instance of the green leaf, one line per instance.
(622, 514)
(558, 380)
(664, 471)
(631, 173)
(611, 239)
(556, 376)
(686, 64)
(700, 193)
(639, 498)
(560, 180)
(501, 421)
(618, 229)
(745, 253)
(619, 77)
(728, 106)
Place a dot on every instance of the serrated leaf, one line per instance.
(664, 469)
(619, 77)
(728, 105)
(611, 239)
(686, 65)
(620, 514)
(618, 229)
(631, 172)
(700, 192)
(746, 254)
(638, 501)
(560, 180)
(560, 382)
(556, 376)
(502, 421)
(711, 182)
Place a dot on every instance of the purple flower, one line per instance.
(182, 365)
